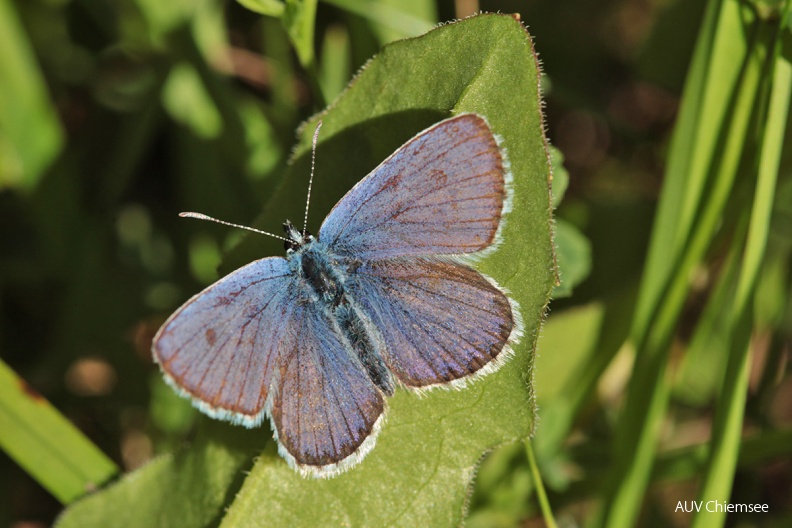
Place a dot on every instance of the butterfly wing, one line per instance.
(443, 192)
(221, 347)
(441, 321)
(325, 409)
(253, 331)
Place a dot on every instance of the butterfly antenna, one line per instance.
(310, 180)
(201, 216)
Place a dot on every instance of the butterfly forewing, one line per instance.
(222, 346)
(443, 192)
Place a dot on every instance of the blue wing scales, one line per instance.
(440, 321)
(221, 347)
(325, 409)
(441, 193)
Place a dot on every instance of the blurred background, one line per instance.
(117, 115)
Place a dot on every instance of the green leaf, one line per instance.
(46, 444)
(393, 19)
(185, 489)
(335, 68)
(273, 8)
(429, 446)
(727, 427)
(30, 133)
(723, 95)
(187, 101)
(298, 18)
(420, 471)
(560, 176)
(573, 249)
(574, 258)
(714, 73)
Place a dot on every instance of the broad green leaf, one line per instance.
(429, 446)
(30, 133)
(46, 444)
(188, 488)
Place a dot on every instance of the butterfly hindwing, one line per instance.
(441, 321)
(325, 407)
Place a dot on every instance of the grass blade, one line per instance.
(727, 430)
(541, 495)
(46, 444)
(648, 392)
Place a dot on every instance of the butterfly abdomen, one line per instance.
(361, 339)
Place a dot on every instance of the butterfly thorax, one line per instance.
(324, 276)
(312, 261)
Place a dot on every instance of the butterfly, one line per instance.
(383, 297)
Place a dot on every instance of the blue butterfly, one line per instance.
(383, 297)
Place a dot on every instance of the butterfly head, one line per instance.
(294, 237)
